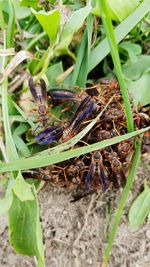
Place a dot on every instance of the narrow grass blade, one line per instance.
(81, 66)
(11, 24)
(10, 146)
(116, 60)
(131, 175)
(41, 161)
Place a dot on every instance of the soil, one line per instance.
(75, 234)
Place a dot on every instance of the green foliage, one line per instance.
(47, 37)
(53, 72)
(52, 156)
(24, 216)
(102, 49)
(50, 21)
(132, 49)
(139, 89)
(5, 203)
(118, 9)
(140, 209)
(137, 72)
(22, 190)
(80, 73)
(73, 25)
(21, 12)
(117, 217)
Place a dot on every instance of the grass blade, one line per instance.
(116, 60)
(132, 171)
(102, 50)
(48, 159)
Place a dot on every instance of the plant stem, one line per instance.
(131, 175)
(116, 60)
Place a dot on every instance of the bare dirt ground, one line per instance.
(75, 234)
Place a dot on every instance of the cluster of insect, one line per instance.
(103, 167)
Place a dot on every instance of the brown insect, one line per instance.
(96, 168)
(116, 167)
(146, 142)
(39, 94)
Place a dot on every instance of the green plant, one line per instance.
(43, 51)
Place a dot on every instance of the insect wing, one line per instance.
(49, 135)
(77, 122)
(102, 176)
(43, 90)
(89, 175)
(62, 95)
(80, 108)
(33, 90)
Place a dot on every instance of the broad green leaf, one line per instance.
(134, 70)
(21, 12)
(20, 144)
(118, 9)
(22, 189)
(140, 209)
(24, 228)
(73, 25)
(53, 72)
(5, 203)
(30, 3)
(50, 22)
(140, 90)
(132, 49)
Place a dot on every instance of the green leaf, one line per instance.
(50, 22)
(24, 228)
(21, 12)
(121, 9)
(118, 9)
(102, 49)
(140, 90)
(53, 72)
(132, 49)
(134, 70)
(20, 144)
(140, 209)
(22, 189)
(73, 25)
(30, 3)
(5, 203)
(81, 66)
(116, 61)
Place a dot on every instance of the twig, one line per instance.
(86, 221)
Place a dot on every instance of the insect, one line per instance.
(75, 170)
(125, 149)
(96, 168)
(50, 134)
(82, 113)
(146, 142)
(39, 94)
(67, 131)
(116, 167)
(109, 83)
